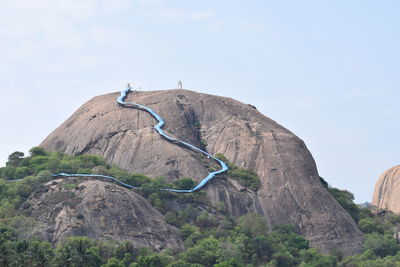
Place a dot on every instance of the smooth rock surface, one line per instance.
(387, 190)
(291, 192)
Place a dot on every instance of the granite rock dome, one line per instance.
(290, 193)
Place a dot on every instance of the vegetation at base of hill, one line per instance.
(245, 243)
(211, 237)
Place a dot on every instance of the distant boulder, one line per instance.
(387, 191)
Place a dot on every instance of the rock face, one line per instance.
(99, 210)
(387, 188)
(291, 192)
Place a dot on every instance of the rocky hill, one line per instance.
(387, 188)
(290, 192)
(99, 210)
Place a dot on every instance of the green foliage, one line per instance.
(263, 247)
(188, 229)
(8, 172)
(15, 158)
(369, 225)
(229, 263)
(345, 199)
(206, 220)
(311, 258)
(114, 262)
(171, 218)
(283, 259)
(181, 263)
(393, 218)
(323, 182)
(245, 177)
(189, 214)
(381, 245)
(153, 260)
(224, 159)
(184, 183)
(211, 237)
(252, 224)
(368, 259)
(37, 151)
(42, 164)
(221, 207)
(204, 253)
(77, 251)
(203, 143)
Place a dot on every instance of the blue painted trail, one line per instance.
(158, 127)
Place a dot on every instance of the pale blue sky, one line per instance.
(326, 70)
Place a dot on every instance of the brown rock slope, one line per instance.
(291, 192)
(387, 188)
(100, 210)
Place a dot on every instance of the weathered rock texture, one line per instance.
(99, 210)
(387, 191)
(291, 192)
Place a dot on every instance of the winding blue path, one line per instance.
(158, 127)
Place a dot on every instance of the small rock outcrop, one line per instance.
(99, 210)
(290, 191)
(387, 188)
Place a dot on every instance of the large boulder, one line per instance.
(99, 210)
(387, 188)
(290, 193)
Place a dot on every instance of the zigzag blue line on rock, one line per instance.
(158, 127)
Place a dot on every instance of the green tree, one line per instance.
(7, 238)
(53, 165)
(37, 151)
(263, 248)
(77, 252)
(153, 260)
(8, 172)
(284, 259)
(39, 254)
(229, 263)
(252, 224)
(206, 220)
(311, 258)
(369, 225)
(114, 262)
(188, 229)
(381, 245)
(15, 158)
(345, 199)
(126, 251)
(180, 264)
(205, 252)
(21, 172)
(185, 183)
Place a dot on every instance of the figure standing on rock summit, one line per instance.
(179, 85)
